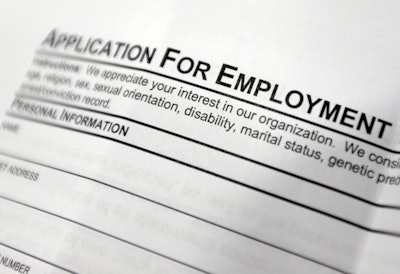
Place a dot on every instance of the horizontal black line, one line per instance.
(103, 233)
(313, 182)
(351, 223)
(90, 60)
(37, 258)
(174, 209)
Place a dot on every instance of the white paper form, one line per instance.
(185, 137)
